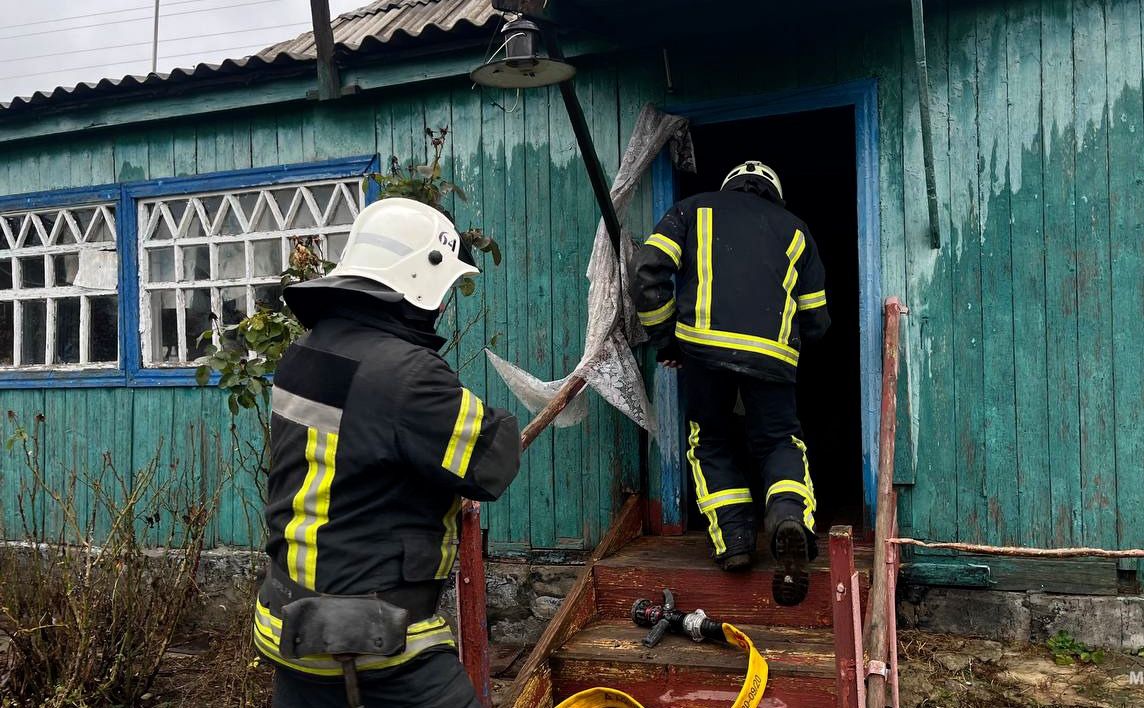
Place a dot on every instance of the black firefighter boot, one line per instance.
(793, 548)
(740, 545)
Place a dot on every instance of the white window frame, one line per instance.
(31, 230)
(155, 213)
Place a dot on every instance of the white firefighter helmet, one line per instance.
(408, 247)
(754, 168)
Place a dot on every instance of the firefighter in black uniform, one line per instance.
(374, 442)
(730, 286)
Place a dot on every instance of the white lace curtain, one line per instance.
(608, 365)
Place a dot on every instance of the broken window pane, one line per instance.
(268, 296)
(32, 272)
(34, 331)
(67, 331)
(335, 246)
(103, 342)
(196, 263)
(161, 265)
(231, 261)
(233, 303)
(198, 316)
(164, 328)
(266, 258)
(65, 267)
(7, 333)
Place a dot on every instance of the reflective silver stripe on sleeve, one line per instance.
(305, 412)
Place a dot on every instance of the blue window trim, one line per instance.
(862, 95)
(131, 371)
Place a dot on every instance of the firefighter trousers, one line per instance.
(776, 464)
(434, 679)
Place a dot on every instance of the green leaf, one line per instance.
(467, 286)
(203, 375)
(496, 252)
(232, 403)
(1063, 660)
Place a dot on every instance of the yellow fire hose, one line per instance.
(749, 696)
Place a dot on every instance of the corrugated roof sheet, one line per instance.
(380, 21)
(375, 25)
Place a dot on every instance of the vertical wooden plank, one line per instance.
(60, 432)
(206, 148)
(344, 128)
(437, 113)
(183, 480)
(517, 339)
(571, 235)
(1126, 204)
(1094, 279)
(105, 431)
(929, 362)
(185, 149)
(1000, 436)
(153, 419)
(537, 308)
(1031, 388)
(160, 153)
(264, 140)
(496, 516)
(290, 136)
(225, 134)
(466, 171)
(965, 243)
(79, 163)
(1059, 173)
(131, 158)
(240, 132)
(19, 411)
(55, 164)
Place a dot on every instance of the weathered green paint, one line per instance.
(1021, 397)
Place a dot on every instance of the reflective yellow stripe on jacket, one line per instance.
(733, 340)
(311, 507)
(419, 637)
(703, 268)
(793, 253)
(671, 248)
(658, 315)
(812, 301)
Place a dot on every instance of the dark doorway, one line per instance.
(814, 155)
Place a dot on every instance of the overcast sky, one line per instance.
(64, 42)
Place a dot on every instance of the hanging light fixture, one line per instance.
(522, 66)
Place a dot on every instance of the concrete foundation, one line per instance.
(521, 598)
(1112, 622)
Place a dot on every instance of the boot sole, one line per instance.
(791, 581)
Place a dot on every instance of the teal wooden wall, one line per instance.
(526, 186)
(1022, 399)
(1022, 396)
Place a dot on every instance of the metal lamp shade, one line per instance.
(522, 67)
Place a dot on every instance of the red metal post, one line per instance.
(893, 561)
(846, 640)
(471, 612)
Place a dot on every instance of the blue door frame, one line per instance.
(667, 454)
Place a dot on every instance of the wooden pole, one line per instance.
(1021, 551)
(846, 654)
(472, 614)
(883, 526)
(329, 82)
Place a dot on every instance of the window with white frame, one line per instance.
(59, 305)
(224, 252)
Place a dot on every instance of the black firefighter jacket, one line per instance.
(735, 278)
(374, 442)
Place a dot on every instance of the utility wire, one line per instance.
(134, 19)
(130, 61)
(97, 14)
(148, 43)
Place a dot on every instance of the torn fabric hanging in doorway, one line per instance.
(608, 365)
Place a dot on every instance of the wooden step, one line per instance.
(683, 563)
(680, 672)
